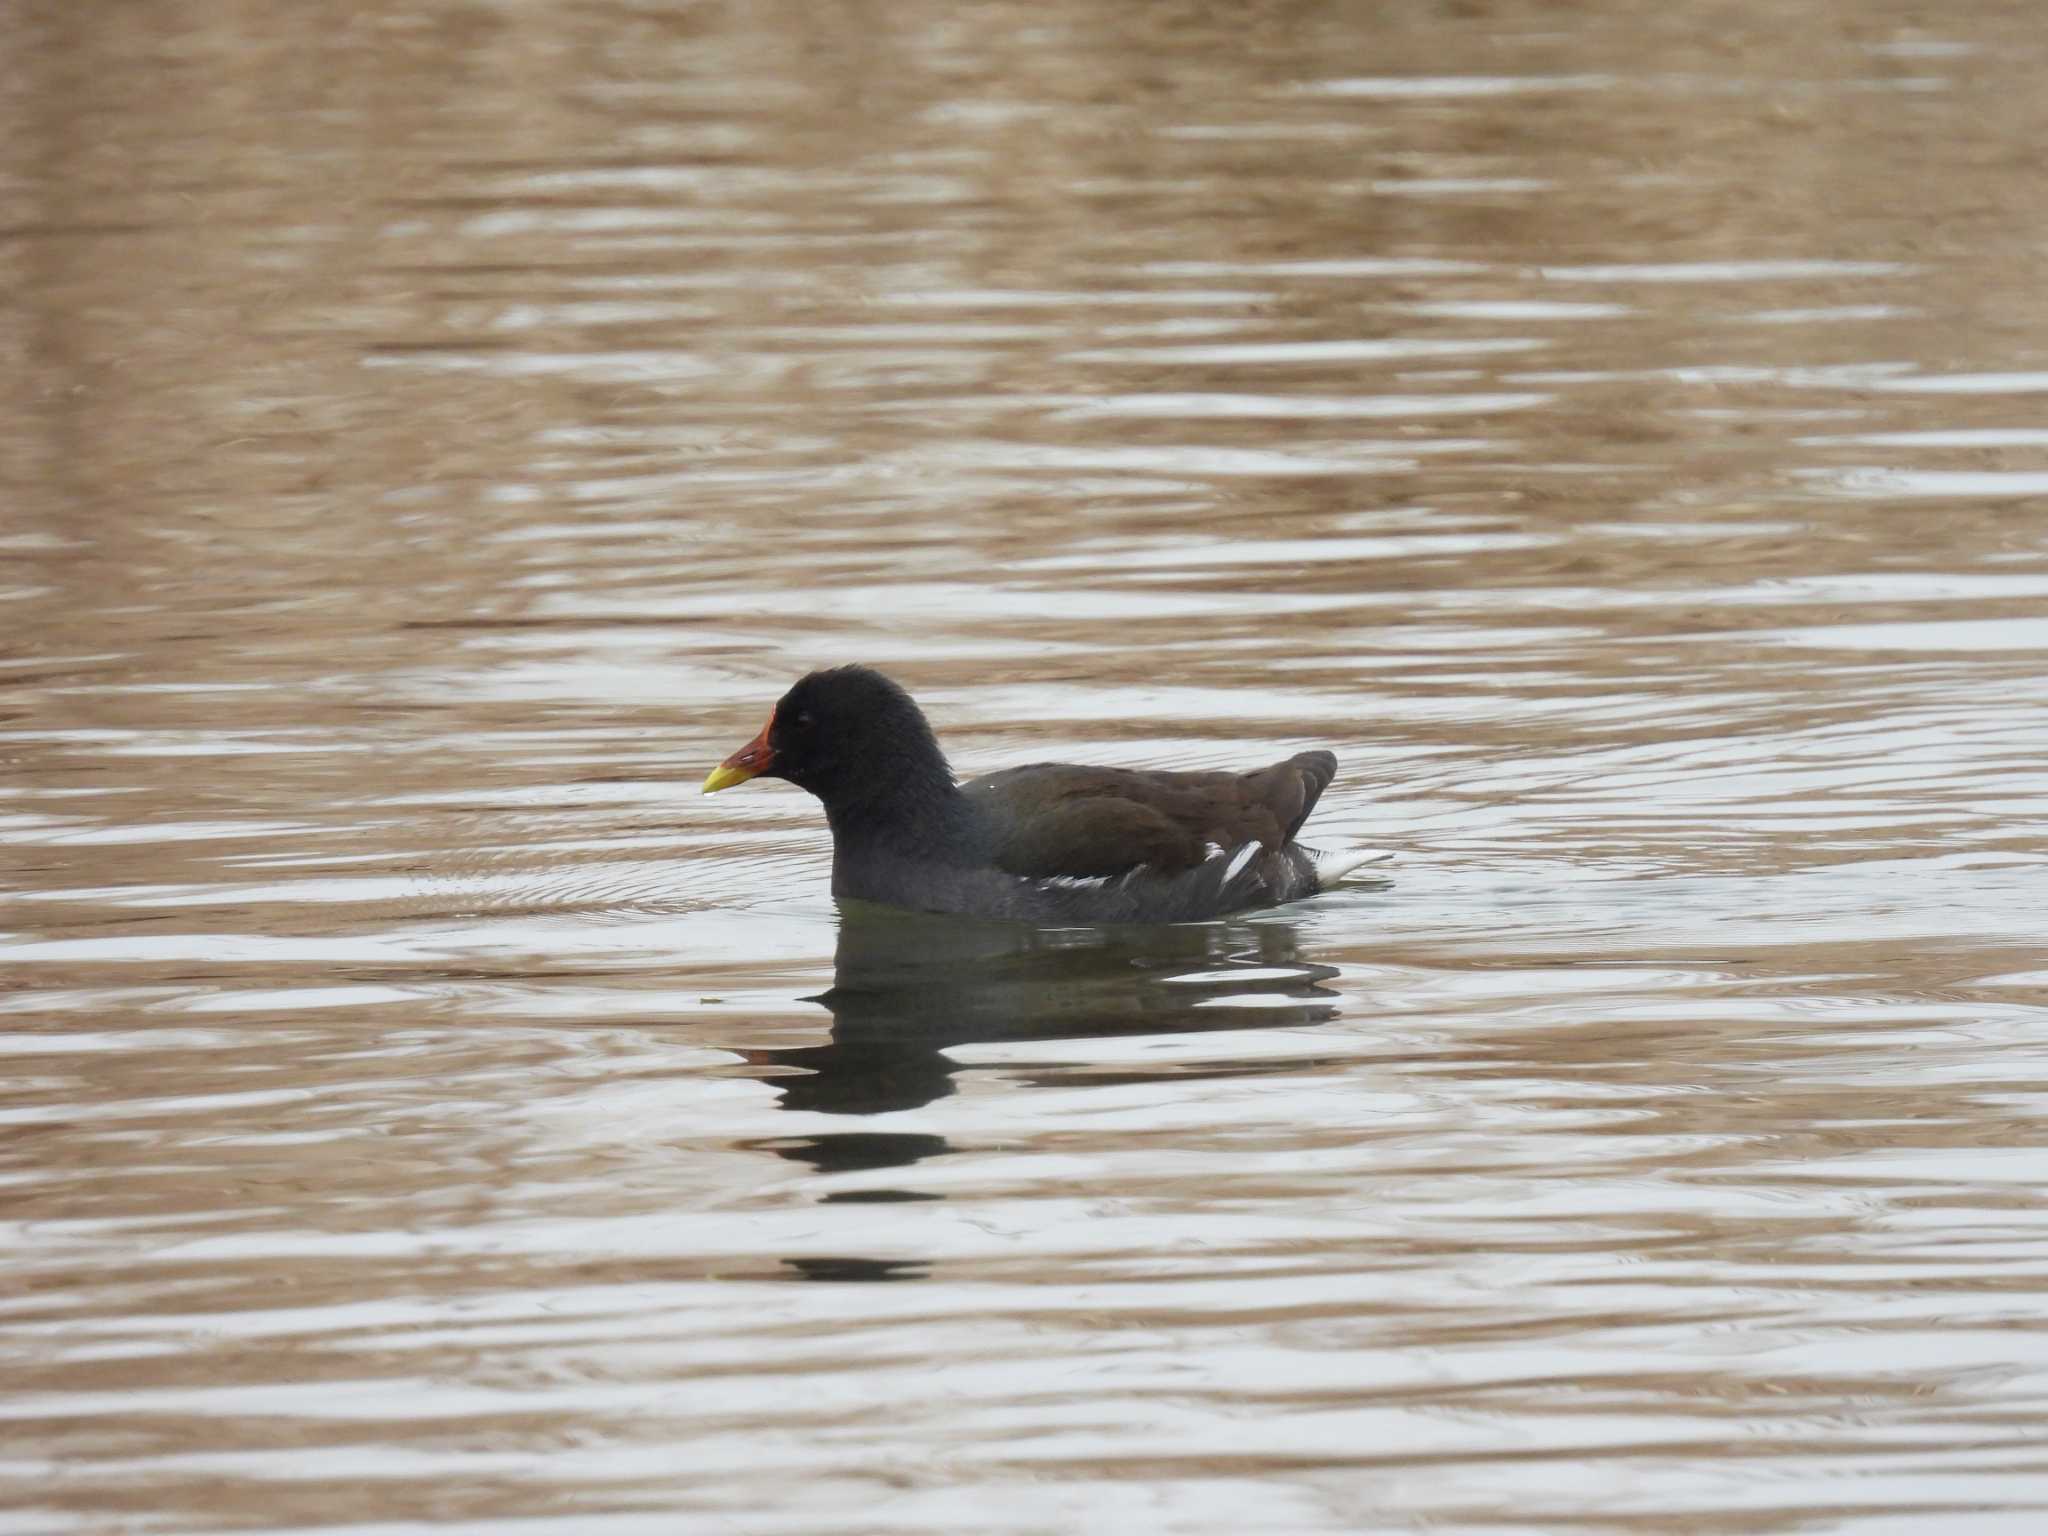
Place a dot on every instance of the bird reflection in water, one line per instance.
(907, 988)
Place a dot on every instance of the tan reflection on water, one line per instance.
(430, 437)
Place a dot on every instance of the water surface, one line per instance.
(431, 438)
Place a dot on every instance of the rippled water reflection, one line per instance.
(432, 437)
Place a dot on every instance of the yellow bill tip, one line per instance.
(724, 776)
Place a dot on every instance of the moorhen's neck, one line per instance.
(903, 800)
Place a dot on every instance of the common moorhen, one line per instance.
(1049, 842)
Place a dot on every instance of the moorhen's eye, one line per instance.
(803, 719)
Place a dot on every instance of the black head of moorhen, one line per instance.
(1050, 842)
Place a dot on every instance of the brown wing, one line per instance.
(1051, 819)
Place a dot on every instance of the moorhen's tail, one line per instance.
(1291, 789)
